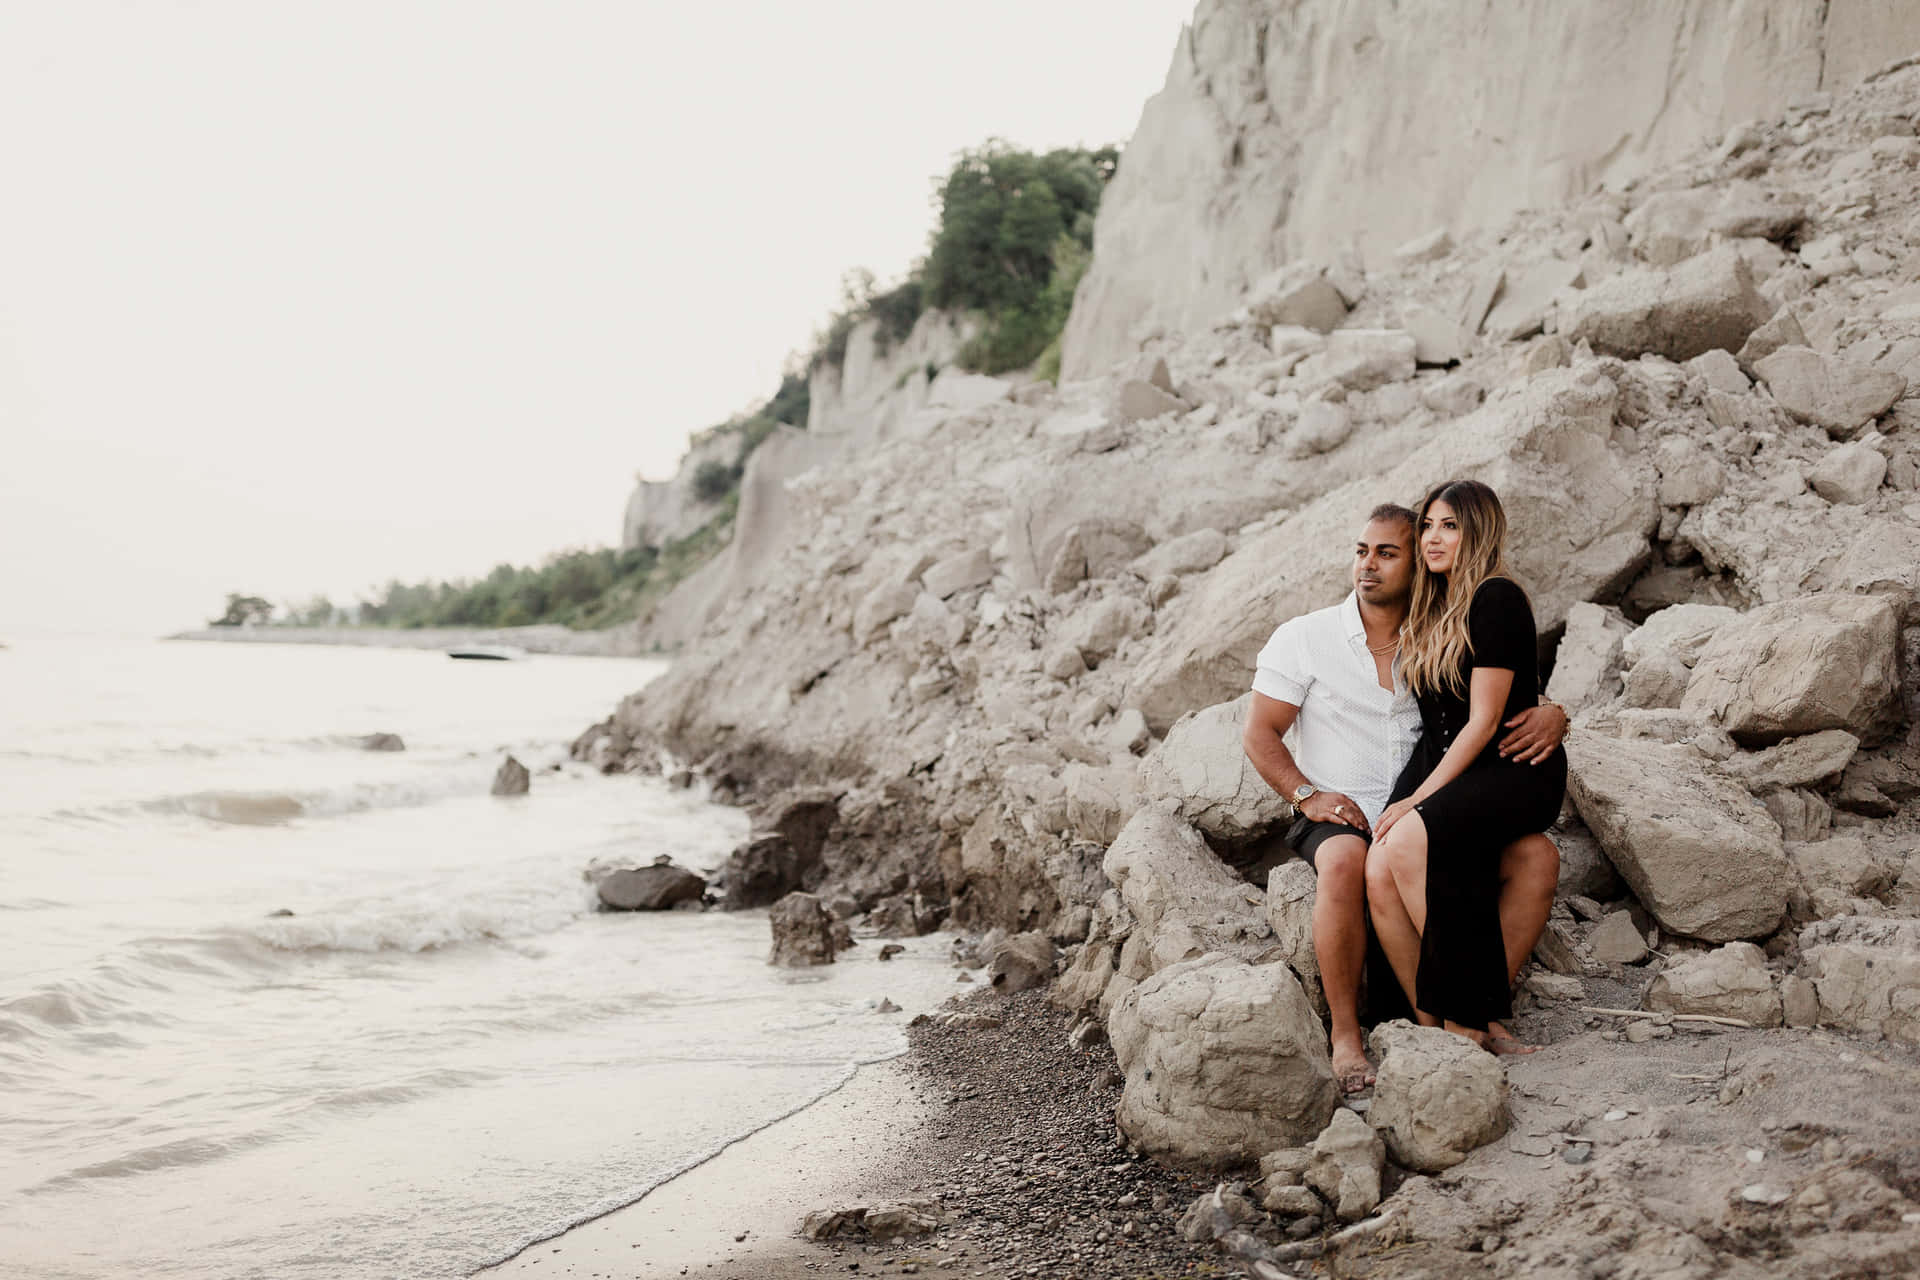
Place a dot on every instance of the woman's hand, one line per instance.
(1393, 813)
(1331, 806)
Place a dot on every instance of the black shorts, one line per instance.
(1306, 836)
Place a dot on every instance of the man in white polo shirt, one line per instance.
(1332, 725)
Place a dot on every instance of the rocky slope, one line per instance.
(1316, 129)
(1009, 644)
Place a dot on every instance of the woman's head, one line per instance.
(1462, 531)
(1461, 535)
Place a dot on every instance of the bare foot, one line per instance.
(1351, 1068)
(1467, 1033)
(1503, 1043)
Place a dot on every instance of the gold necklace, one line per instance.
(1386, 648)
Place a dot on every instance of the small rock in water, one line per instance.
(512, 779)
(891, 950)
(963, 976)
(382, 742)
(275, 915)
(887, 1006)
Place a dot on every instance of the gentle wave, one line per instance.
(177, 1154)
(431, 919)
(276, 807)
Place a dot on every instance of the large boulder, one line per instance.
(1827, 661)
(1436, 1097)
(1224, 1062)
(1706, 302)
(1202, 772)
(1586, 667)
(1292, 889)
(1701, 853)
(1684, 630)
(1867, 974)
(1020, 962)
(1580, 507)
(1827, 391)
(766, 869)
(659, 887)
(1727, 982)
(1184, 900)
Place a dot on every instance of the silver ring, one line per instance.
(1339, 808)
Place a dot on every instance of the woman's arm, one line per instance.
(1486, 702)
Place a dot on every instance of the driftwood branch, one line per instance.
(1677, 1017)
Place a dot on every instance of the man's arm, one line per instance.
(1268, 719)
(1536, 732)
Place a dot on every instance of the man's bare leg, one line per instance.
(1340, 945)
(1529, 877)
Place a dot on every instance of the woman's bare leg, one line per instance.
(1397, 898)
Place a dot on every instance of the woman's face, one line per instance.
(1439, 538)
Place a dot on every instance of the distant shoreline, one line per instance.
(616, 642)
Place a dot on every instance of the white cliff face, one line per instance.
(873, 394)
(662, 511)
(1293, 129)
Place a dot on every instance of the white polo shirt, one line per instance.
(1351, 735)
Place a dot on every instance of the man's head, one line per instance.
(1383, 556)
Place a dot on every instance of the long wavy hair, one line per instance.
(1434, 645)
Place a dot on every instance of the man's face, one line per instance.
(1383, 562)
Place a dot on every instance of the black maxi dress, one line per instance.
(1463, 968)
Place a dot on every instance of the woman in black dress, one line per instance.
(1468, 651)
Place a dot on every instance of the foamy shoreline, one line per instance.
(741, 1209)
(614, 642)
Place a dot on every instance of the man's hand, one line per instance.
(1535, 733)
(1331, 806)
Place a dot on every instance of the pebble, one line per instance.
(1761, 1193)
(1578, 1153)
(1755, 1155)
(1615, 1114)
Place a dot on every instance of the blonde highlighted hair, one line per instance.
(1434, 645)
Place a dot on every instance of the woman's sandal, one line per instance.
(1356, 1080)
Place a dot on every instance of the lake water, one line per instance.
(444, 1052)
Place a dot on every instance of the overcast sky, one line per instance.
(299, 297)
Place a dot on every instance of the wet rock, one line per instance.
(765, 869)
(382, 742)
(1826, 661)
(1729, 982)
(1348, 1157)
(1201, 771)
(1827, 391)
(1225, 1061)
(1697, 849)
(1866, 973)
(655, 888)
(511, 779)
(1615, 940)
(900, 1220)
(1705, 302)
(805, 932)
(905, 915)
(1438, 1096)
(1022, 961)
